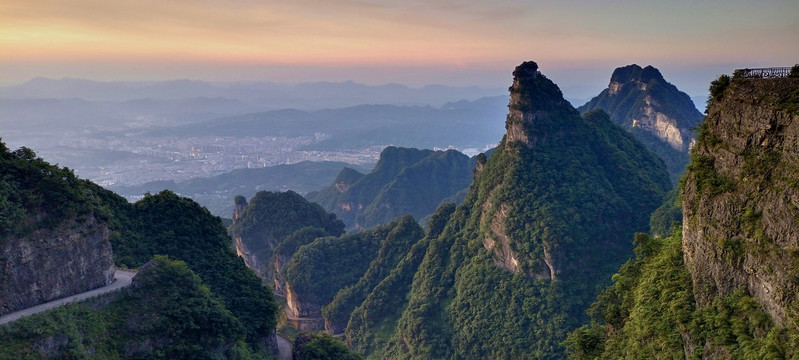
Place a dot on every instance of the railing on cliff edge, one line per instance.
(763, 73)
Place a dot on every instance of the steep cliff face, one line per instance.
(532, 100)
(655, 111)
(50, 264)
(741, 197)
(239, 203)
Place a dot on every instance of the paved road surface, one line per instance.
(284, 348)
(122, 278)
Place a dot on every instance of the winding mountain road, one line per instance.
(122, 278)
(284, 348)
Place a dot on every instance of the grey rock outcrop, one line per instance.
(50, 264)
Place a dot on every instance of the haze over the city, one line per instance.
(576, 42)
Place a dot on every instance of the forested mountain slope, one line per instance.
(331, 276)
(269, 228)
(547, 220)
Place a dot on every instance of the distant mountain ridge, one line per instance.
(404, 181)
(313, 95)
(641, 101)
(462, 124)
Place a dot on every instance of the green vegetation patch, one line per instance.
(319, 270)
(790, 103)
(718, 87)
(272, 216)
(650, 312)
(35, 194)
(321, 346)
(393, 248)
(708, 180)
(171, 225)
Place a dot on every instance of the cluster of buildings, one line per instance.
(130, 161)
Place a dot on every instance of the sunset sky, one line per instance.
(577, 43)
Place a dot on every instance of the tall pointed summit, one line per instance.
(641, 101)
(533, 99)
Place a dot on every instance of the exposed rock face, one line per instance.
(346, 178)
(655, 111)
(239, 204)
(54, 263)
(256, 259)
(741, 197)
(301, 309)
(279, 264)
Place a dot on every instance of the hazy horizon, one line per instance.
(580, 84)
(577, 43)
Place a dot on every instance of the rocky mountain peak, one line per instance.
(655, 111)
(539, 120)
(549, 215)
(526, 70)
(633, 74)
(533, 98)
(393, 159)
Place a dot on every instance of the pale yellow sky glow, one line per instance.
(270, 40)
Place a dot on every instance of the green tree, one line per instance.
(321, 346)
